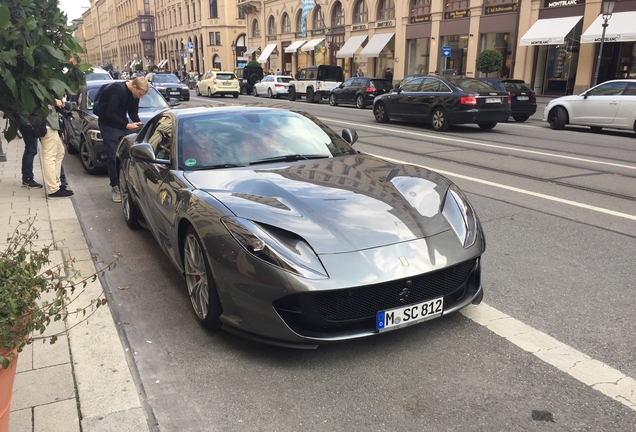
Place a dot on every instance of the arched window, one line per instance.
(338, 16)
(319, 18)
(216, 62)
(285, 24)
(361, 12)
(256, 30)
(386, 10)
(271, 26)
(420, 7)
(299, 18)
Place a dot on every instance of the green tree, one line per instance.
(36, 52)
(253, 63)
(139, 67)
(489, 61)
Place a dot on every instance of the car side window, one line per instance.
(430, 85)
(348, 82)
(161, 138)
(443, 88)
(357, 82)
(630, 90)
(608, 89)
(413, 85)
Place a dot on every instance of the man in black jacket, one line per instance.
(119, 100)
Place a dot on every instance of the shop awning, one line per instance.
(162, 63)
(309, 46)
(621, 27)
(350, 47)
(251, 51)
(549, 31)
(269, 49)
(376, 45)
(294, 46)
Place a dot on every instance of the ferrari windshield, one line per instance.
(242, 138)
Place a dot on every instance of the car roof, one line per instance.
(181, 113)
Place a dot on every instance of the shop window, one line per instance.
(418, 53)
(360, 12)
(386, 10)
(499, 42)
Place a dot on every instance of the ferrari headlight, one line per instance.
(95, 134)
(277, 247)
(461, 216)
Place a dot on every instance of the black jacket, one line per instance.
(118, 102)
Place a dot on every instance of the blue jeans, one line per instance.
(111, 137)
(30, 150)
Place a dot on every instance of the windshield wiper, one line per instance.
(218, 166)
(289, 158)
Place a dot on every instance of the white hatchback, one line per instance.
(274, 86)
(611, 104)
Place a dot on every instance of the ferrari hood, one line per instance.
(336, 204)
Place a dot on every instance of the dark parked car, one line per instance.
(242, 199)
(443, 102)
(169, 85)
(84, 136)
(359, 91)
(523, 101)
(248, 76)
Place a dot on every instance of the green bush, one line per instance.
(489, 61)
(37, 48)
(254, 63)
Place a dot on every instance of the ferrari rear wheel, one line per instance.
(200, 283)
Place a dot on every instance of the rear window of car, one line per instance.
(225, 76)
(516, 85)
(381, 84)
(469, 85)
(166, 78)
(284, 79)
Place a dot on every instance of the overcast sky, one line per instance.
(73, 8)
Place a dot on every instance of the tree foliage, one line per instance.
(36, 48)
(253, 63)
(489, 61)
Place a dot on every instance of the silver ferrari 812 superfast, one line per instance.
(287, 235)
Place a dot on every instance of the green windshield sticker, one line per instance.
(190, 162)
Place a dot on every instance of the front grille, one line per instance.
(355, 308)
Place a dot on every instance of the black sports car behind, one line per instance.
(443, 102)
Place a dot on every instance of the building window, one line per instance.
(256, 30)
(319, 18)
(420, 7)
(360, 12)
(194, 12)
(215, 38)
(452, 5)
(299, 18)
(214, 12)
(241, 14)
(180, 17)
(286, 24)
(188, 13)
(386, 10)
(271, 26)
(338, 18)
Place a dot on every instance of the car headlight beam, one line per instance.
(461, 216)
(277, 247)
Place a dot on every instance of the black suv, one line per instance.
(523, 101)
(248, 76)
(168, 85)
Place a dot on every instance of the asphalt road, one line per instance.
(558, 209)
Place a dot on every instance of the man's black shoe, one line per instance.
(61, 193)
(31, 184)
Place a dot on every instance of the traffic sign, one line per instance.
(190, 45)
(446, 51)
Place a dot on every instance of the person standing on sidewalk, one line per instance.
(30, 150)
(119, 101)
(52, 155)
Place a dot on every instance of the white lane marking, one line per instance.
(523, 191)
(499, 147)
(598, 375)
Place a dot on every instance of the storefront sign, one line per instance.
(384, 24)
(457, 14)
(501, 9)
(559, 3)
(357, 27)
(420, 19)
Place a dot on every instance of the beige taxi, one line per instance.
(220, 83)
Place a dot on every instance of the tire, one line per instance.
(209, 92)
(487, 126)
(269, 94)
(186, 98)
(521, 119)
(380, 113)
(292, 93)
(360, 102)
(596, 128)
(235, 95)
(254, 92)
(198, 91)
(254, 78)
(439, 120)
(558, 118)
(333, 101)
(71, 149)
(129, 208)
(310, 95)
(87, 163)
(200, 283)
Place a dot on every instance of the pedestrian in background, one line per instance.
(388, 75)
(30, 150)
(53, 154)
(119, 101)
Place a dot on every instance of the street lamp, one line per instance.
(329, 39)
(608, 8)
(233, 46)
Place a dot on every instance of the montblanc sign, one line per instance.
(560, 3)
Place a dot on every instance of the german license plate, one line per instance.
(174, 93)
(523, 98)
(493, 100)
(401, 317)
(226, 83)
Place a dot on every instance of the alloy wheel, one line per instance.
(196, 276)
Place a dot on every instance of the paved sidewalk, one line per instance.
(83, 381)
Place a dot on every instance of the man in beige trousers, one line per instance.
(52, 156)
